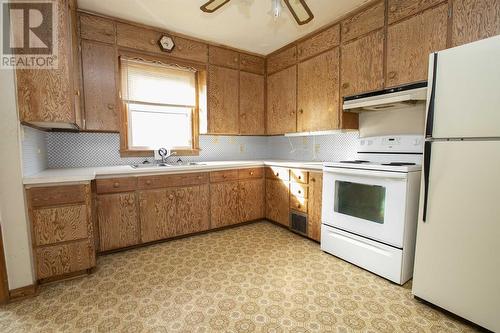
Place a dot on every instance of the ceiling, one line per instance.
(244, 24)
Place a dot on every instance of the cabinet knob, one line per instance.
(301, 111)
(345, 85)
(298, 205)
(392, 75)
(244, 62)
(148, 182)
(77, 92)
(116, 185)
(300, 177)
(111, 106)
(171, 197)
(277, 174)
(313, 179)
(199, 177)
(299, 191)
(235, 59)
(224, 176)
(179, 48)
(152, 42)
(251, 173)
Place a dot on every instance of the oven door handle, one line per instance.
(367, 173)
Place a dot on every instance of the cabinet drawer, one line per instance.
(97, 28)
(299, 190)
(298, 204)
(60, 224)
(299, 176)
(183, 179)
(57, 195)
(222, 176)
(223, 57)
(251, 63)
(278, 173)
(63, 259)
(250, 173)
(115, 185)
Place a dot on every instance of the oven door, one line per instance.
(368, 203)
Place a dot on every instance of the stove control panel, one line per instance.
(387, 144)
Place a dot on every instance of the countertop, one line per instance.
(72, 175)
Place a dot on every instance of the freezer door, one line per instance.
(466, 91)
(457, 263)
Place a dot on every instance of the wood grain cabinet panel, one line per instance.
(223, 176)
(250, 173)
(281, 102)
(318, 93)
(60, 224)
(192, 213)
(314, 206)
(282, 59)
(251, 199)
(116, 185)
(277, 205)
(100, 88)
(224, 204)
(175, 180)
(62, 259)
(299, 176)
(118, 221)
(319, 42)
(410, 42)
(399, 9)
(57, 195)
(252, 104)
(299, 190)
(277, 173)
(223, 57)
(251, 63)
(370, 19)
(157, 214)
(474, 20)
(97, 28)
(223, 100)
(299, 204)
(363, 64)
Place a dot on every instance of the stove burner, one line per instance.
(355, 162)
(398, 163)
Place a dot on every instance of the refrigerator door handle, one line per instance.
(430, 112)
(427, 169)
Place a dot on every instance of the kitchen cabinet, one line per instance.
(99, 67)
(251, 199)
(363, 64)
(50, 98)
(192, 214)
(252, 104)
(118, 220)
(97, 29)
(473, 20)
(320, 42)
(318, 92)
(253, 64)
(282, 59)
(157, 211)
(223, 100)
(410, 42)
(277, 201)
(224, 204)
(369, 19)
(281, 101)
(223, 57)
(314, 205)
(400, 9)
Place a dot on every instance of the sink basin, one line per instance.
(150, 165)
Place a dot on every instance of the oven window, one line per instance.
(360, 200)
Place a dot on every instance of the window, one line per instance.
(161, 106)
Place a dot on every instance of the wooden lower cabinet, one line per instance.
(314, 205)
(277, 196)
(157, 214)
(118, 220)
(56, 260)
(251, 199)
(224, 204)
(192, 213)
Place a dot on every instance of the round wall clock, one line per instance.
(166, 43)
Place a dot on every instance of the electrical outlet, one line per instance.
(242, 148)
(215, 139)
(317, 148)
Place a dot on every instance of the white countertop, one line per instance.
(54, 176)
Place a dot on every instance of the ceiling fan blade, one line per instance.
(212, 5)
(300, 11)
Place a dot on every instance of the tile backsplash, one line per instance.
(34, 145)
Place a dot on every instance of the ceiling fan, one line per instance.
(298, 8)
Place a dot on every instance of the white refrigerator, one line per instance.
(457, 261)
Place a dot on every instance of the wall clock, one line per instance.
(166, 43)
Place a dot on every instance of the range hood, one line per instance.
(388, 99)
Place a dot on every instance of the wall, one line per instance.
(13, 218)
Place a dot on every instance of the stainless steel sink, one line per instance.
(150, 165)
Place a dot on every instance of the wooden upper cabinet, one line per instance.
(223, 57)
(399, 9)
(369, 19)
(282, 59)
(252, 104)
(192, 213)
(223, 100)
(144, 39)
(224, 204)
(99, 65)
(251, 199)
(281, 101)
(51, 97)
(318, 93)
(252, 63)
(363, 64)
(277, 200)
(314, 206)
(474, 20)
(97, 28)
(410, 42)
(319, 42)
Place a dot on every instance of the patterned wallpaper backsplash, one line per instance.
(76, 150)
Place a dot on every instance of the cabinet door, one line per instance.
(157, 214)
(277, 201)
(253, 64)
(399, 9)
(281, 101)
(474, 20)
(318, 93)
(282, 59)
(314, 208)
(363, 64)
(99, 83)
(251, 196)
(223, 100)
(319, 42)
(372, 18)
(192, 214)
(223, 57)
(118, 223)
(252, 118)
(410, 42)
(97, 28)
(224, 204)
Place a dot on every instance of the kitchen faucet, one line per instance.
(165, 153)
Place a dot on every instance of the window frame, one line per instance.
(200, 82)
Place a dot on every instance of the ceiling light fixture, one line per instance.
(277, 8)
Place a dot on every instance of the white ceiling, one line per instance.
(243, 24)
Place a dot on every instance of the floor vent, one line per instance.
(298, 223)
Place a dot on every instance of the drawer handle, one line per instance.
(224, 176)
(277, 174)
(116, 185)
(298, 205)
(300, 191)
(179, 48)
(300, 177)
(301, 111)
(148, 182)
(313, 179)
(111, 106)
(251, 173)
(345, 85)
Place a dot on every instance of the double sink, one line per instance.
(164, 165)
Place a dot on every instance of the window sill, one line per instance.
(150, 153)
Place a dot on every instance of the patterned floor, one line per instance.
(254, 278)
